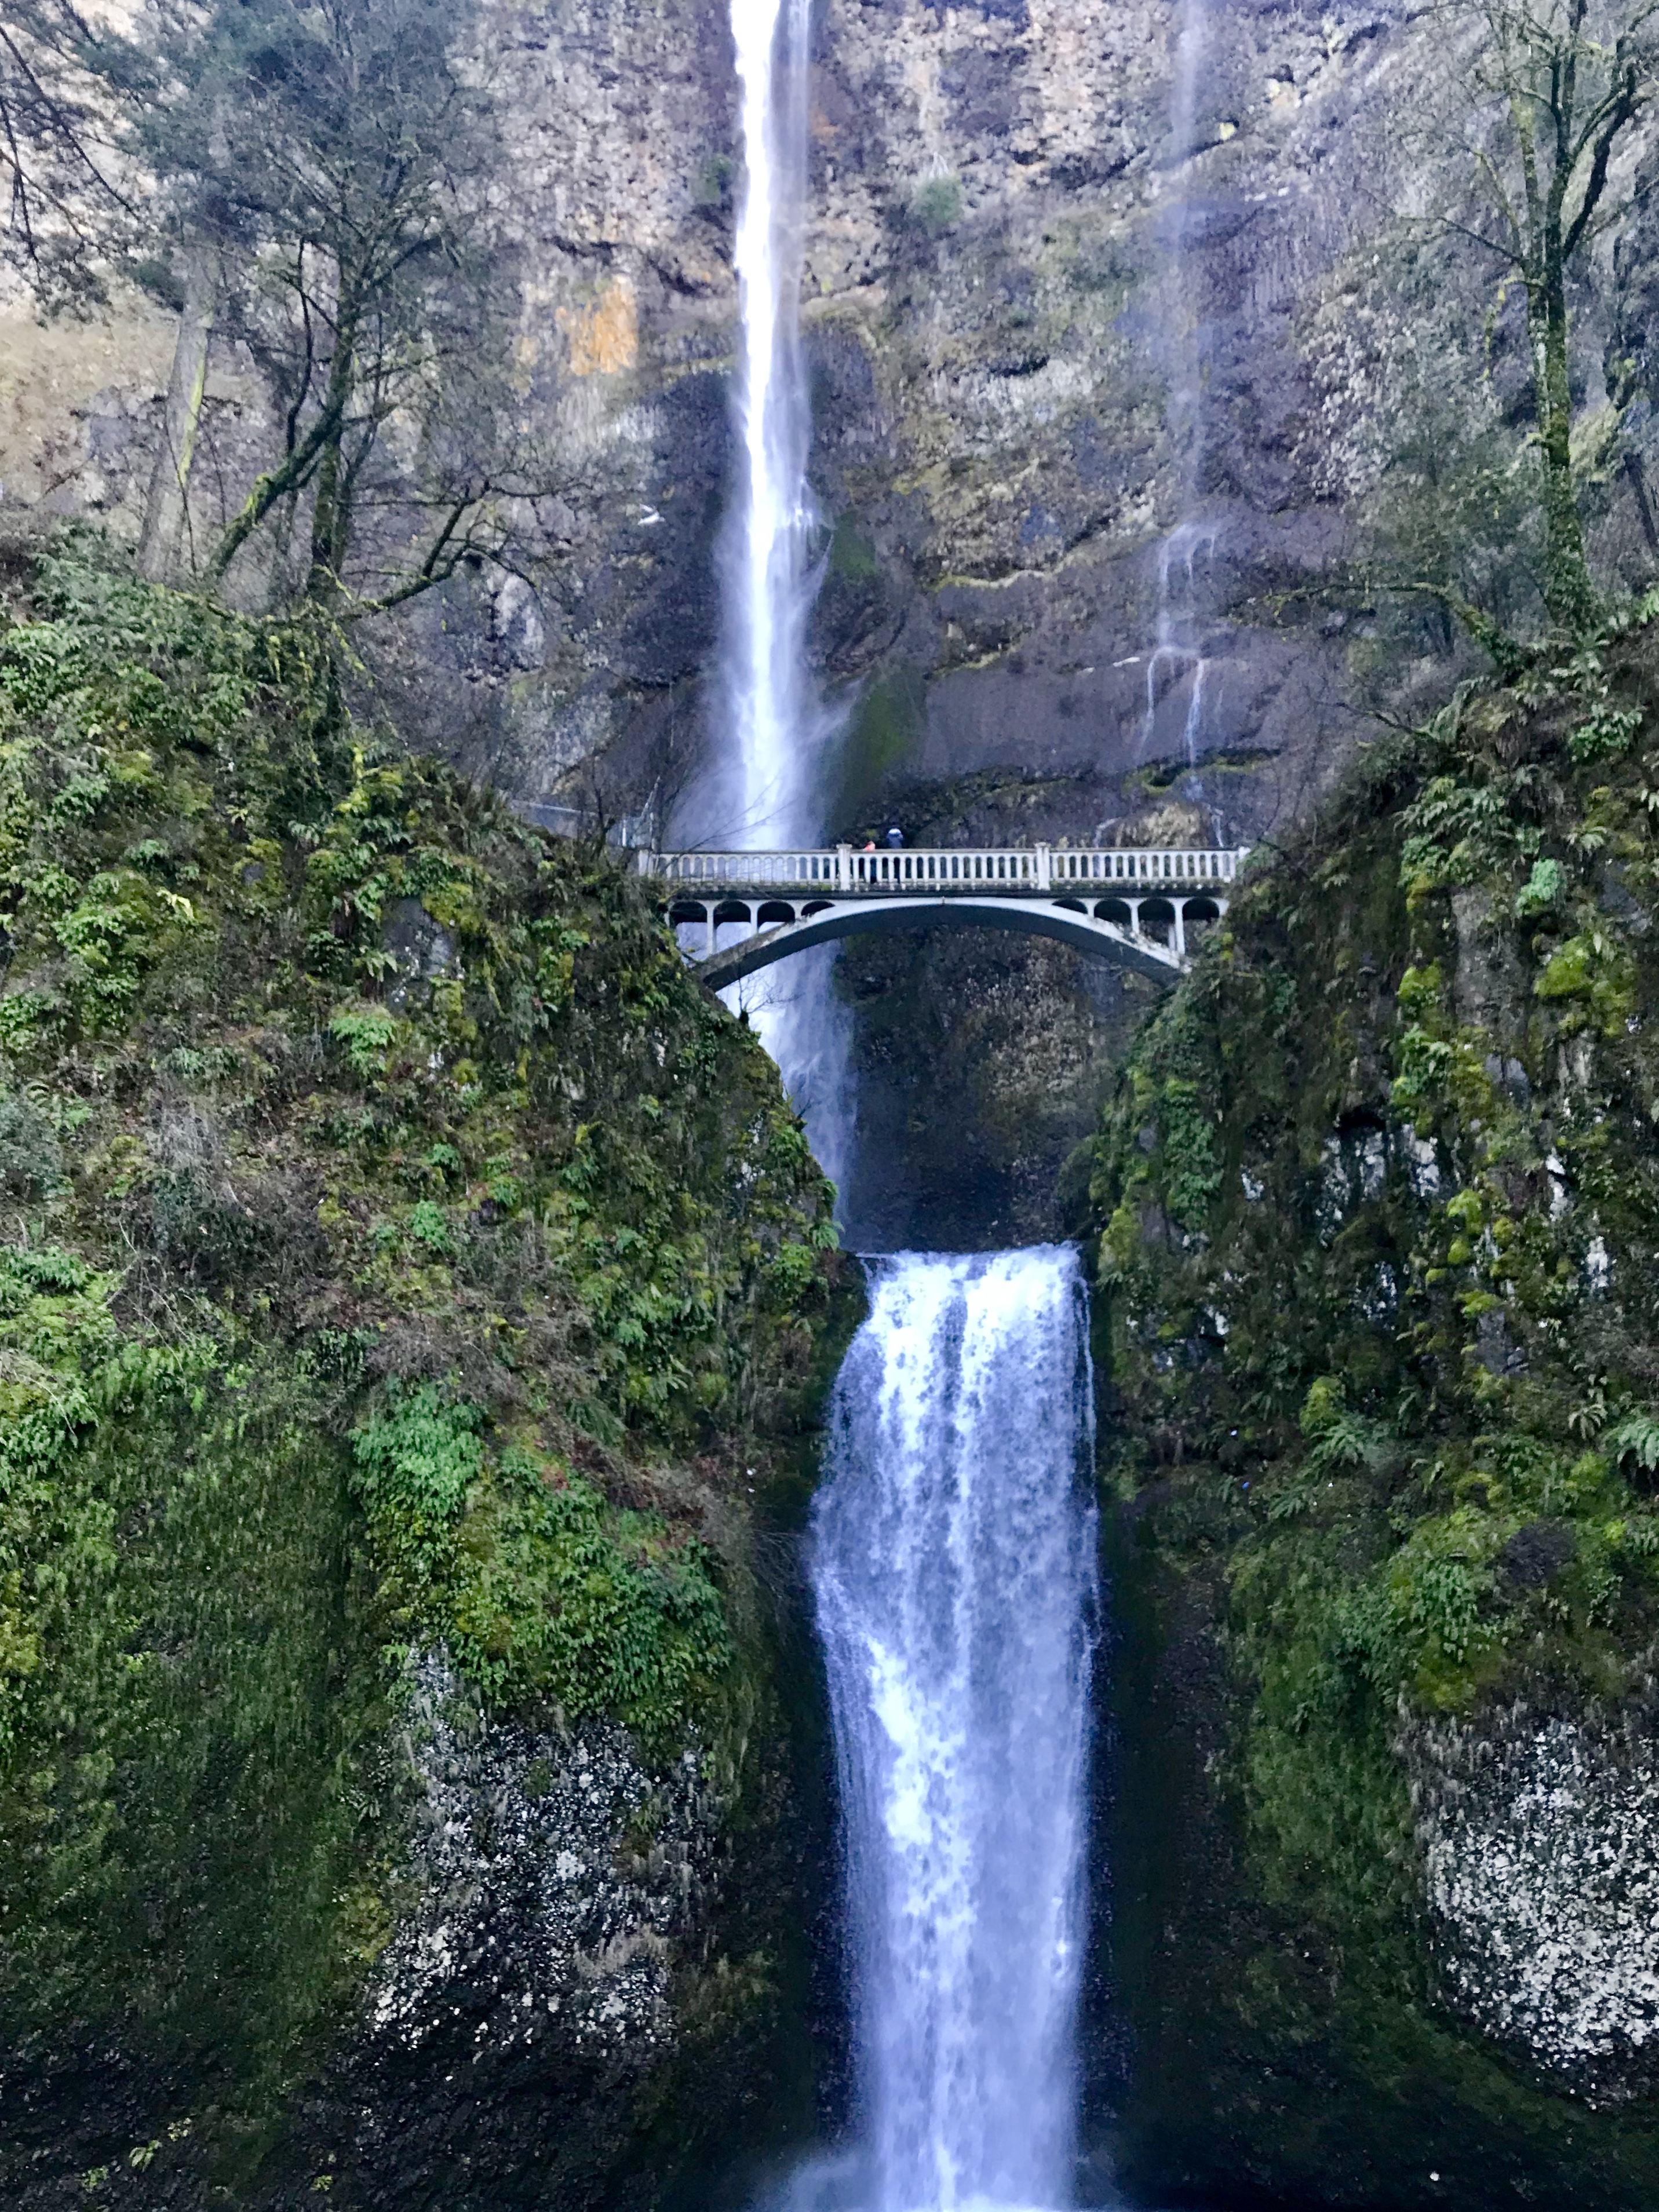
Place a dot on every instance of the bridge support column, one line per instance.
(711, 929)
(1181, 928)
(1134, 906)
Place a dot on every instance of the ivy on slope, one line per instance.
(1378, 1205)
(395, 1246)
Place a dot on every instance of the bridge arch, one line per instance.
(1129, 905)
(1103, 928)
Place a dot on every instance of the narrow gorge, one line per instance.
(1010, 1564)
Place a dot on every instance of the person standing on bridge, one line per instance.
(895, 838)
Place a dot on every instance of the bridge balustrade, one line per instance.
(840, 869)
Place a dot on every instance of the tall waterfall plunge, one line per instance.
(769, 596)
(774, 726)
(953, 1567)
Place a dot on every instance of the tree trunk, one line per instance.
(167, 506)
(1568, 591)
(329, 519)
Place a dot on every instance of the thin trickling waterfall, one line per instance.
(953, 1569)
(772, 725)
(1178, 655)
(1178, 663)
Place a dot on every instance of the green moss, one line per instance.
(713, 187)
(937, 206)
(537, 1586)
(851, 553)
(1376, 1212)
(883, 731)
(353, 1299)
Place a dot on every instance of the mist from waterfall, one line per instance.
(773, 726)
(953, 1569)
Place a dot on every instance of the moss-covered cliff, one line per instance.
(410, 1283)
(1379, 1243)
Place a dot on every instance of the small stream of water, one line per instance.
(953, 1569)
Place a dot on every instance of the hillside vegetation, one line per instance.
(397, 1253)
(1377, 1200)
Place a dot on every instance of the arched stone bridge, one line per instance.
(1132, 906)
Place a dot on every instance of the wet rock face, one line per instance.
(1540, 1843)
(579, 1996)
(1102, 418)
(979, 1065)
(1083, 386)
(553, 1880)
(1090, 393)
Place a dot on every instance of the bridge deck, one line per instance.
(1015, 870)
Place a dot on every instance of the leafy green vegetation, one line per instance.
(1379, 1251)
(397, 1251)
(1378, 1228)
(543, 1588)
(937, 205)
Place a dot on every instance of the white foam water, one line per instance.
(1178, 661)
(774, 726)
(953, 1569)
(768, 546)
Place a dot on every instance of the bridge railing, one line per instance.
(1139, 871)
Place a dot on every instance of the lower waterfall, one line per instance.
(953, 1566)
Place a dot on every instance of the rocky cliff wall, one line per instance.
(1078, 277)
(1113, 331)
(1377, 1219)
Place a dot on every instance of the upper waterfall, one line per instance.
(953, 1566)
(770, 722)
(768, 595)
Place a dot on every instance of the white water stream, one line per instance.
(770, 585)
(953, 1546)
(1178, 662)
(953, 1568)
(773, 725)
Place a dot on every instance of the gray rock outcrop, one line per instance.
(1540, 1836)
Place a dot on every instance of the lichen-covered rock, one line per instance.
(1541, 1851)
(1379, 1252)
(553, 1877)
(398, 1254)
(1109, 337)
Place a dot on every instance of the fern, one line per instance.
(1636, 1438)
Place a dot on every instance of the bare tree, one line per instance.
(1554, 93)
(333, 162)
(66, 85)
(315, 188)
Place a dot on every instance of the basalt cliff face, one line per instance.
(1107, 351)
(415, 1294)
(1028, 248)
(340, 1113)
